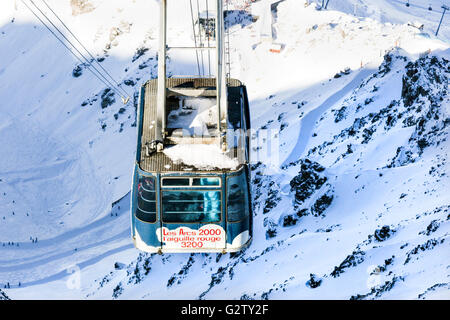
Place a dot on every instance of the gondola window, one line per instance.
(146, 208)
(191, 206)
(237, 204)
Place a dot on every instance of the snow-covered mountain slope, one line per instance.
(418, 12)
(353, 204)
(3, 296)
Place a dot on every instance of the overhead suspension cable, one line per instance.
(81, 44)
(105, 81)
(124, 98)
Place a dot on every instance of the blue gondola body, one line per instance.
(222, 199)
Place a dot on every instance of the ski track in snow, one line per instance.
(309, 120)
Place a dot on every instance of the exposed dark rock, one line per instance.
(386, 65)
(342, 73)
(77, 71)
(141, 269)
(314, 281)
(383, 233)
(351, 260)
(434, 287)
(271, 232)
(367, 134)
(89, 101)
(368, 101)
(378, 291)
(432, 227)
(117, 291)
(425, 86)
(265, 295)
(289, 220)
(303, 212)
(430, 244)
(182, 273)
(119, 266)
(139, 53)
(321, 204)
(281, 116)
(264, 127)
(107, 98)
(383, 267)
(216, 278)
(310, 178)
(340, 114)
(272, 197)
(3, 295)
(349, 149)
(129, 82)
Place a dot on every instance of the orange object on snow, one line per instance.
(276, 48)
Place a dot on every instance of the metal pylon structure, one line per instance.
(227, 46)
(220, 76)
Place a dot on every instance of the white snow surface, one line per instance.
(67, 154)
(201, 156)
(194, 115)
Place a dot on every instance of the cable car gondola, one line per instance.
(191, 183)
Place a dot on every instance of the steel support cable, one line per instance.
(74, 47)
(81, 54)
(81, 44)
(200, 37)
(62, 42)
(195, 37)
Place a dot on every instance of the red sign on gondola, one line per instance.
(210, 236)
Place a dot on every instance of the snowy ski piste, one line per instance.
(349, 150)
